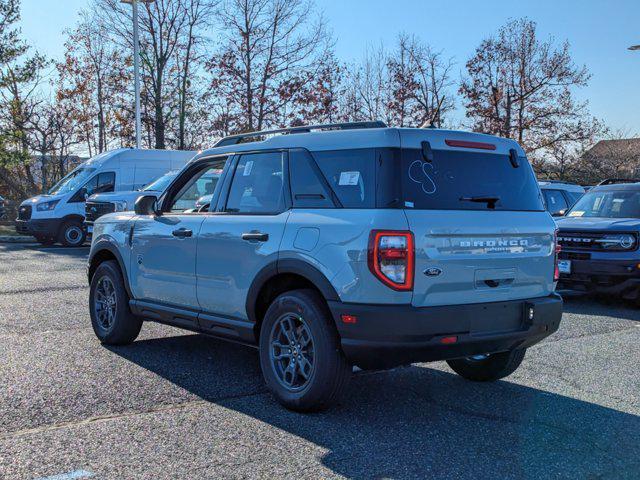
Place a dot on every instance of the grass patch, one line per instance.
(9, 230)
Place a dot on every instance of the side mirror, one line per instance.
(146, 205)
(559, 213)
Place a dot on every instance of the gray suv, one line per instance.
(340, 245)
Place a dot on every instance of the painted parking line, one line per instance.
(69, 475)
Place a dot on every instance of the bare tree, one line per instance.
(267, 43)
(520, 87)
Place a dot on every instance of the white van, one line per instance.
(58, 215)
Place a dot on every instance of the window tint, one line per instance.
(574, 196)
(307, 187)
(461, 180)
(556, 203)
(197, 194)
(106, 182)
(351, 175)
(257, 184)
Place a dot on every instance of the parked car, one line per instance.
(599, 242)
(102, 203)
(560, 196)
(340, 245)
(58, 215)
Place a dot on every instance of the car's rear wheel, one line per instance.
(489, 367)
(300, 355)
(72, 234)
(111, 318)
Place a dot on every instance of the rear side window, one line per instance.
(351, 175)
(257, 185)
(308, 188)
(556, 202)
(467, 180)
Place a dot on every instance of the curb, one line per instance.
(16, 239)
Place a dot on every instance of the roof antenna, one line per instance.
(429, 122)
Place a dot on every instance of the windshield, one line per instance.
(608, 204)
(72, 181)
(161, 183)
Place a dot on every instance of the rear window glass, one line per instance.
(351, 175)
(461, 180)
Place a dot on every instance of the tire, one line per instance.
(493, 367)
(72, 234)
(112, 320)
(318, 353)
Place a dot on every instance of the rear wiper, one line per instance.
(490, 201)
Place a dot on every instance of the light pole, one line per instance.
(136, 65)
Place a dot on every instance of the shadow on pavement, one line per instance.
(414, 421)
(583, 304)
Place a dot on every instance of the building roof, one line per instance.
(624, 147)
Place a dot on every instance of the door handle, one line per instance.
(182, 233)
(260, 237)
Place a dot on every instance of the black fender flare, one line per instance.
(288, 265)
(101, 246)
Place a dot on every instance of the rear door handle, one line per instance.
(260, 237)
(182, 233)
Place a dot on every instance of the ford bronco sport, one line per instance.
(341, 245)
(599, 239)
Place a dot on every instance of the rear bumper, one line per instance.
(45, 227)
(389, 335)
(615, 277)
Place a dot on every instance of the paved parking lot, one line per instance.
(180, 405)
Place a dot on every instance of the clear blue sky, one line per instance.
(599, 33)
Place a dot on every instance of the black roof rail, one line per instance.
(611, 181)
(235, 139)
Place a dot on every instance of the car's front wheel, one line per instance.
(111, 318)
(488, 367)
(300, 355)
(72, 234)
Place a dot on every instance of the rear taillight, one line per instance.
(557, 248)
(391, 258)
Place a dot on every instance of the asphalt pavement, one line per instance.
(179, 405)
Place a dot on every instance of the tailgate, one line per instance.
(481, 256)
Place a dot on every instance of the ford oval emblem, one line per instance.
(432, 272)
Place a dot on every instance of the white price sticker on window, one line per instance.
(247, 168)
(349, 178)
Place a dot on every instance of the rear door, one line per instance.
(243, 236)
(481, 231)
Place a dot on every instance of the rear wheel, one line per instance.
(300, 355)
(112, 321)
(489, 367)
(72, 234)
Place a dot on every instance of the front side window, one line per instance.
(257, 185)
(608, 204)
(196, 195)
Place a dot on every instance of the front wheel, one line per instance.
(111, 318)
(489, 367)
(300, 355)
(72, 234)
